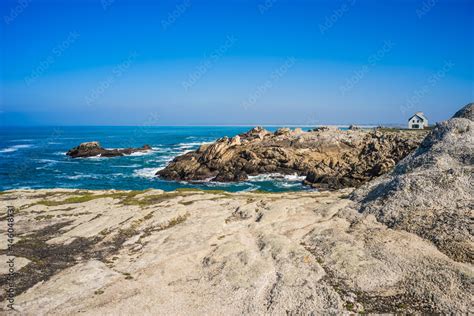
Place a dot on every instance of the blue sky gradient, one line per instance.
(185, 62)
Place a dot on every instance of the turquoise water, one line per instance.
(35, 158)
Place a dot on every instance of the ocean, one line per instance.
(35, 157)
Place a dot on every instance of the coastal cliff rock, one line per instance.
(194, 252)
(93, 149)
(328, 157)
(430, 193)
(400, 244)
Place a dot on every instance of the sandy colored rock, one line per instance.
(430, 193)
(329, 158)
(194, 252)
(402, 244)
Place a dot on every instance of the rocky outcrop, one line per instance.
(466, 112)
(218, 253)
(401, 245)
(94, 149)
(430, 193)
(328, 157)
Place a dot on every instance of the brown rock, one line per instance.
(329, 157)
(93, 149)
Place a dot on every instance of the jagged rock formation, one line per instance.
(328, 157)
(430, 193)
(93, 149)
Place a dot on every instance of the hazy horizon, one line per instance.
(238, 63)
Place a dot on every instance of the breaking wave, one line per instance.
(14, 148)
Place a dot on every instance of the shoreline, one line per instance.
(388, 246)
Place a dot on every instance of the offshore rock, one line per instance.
(94, 149)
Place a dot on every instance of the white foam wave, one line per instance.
(294, 177)
(287, 185)
(166, 150)
(167, 158)
(81, 176)
(191, 145)
(47, 160)
(14, 148)
(7, 150)
(276, 176)
(146, 172)
(98, 157)
(142, 153)
(118, 175)
(47, 163)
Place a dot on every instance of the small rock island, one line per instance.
(94, 149)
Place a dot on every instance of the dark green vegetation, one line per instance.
(126, 198)
(48, 259)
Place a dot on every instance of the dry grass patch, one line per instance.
(87, 196)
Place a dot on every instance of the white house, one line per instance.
(418, 121)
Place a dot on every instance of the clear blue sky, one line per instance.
(189, 62)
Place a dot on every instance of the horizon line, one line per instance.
(212, 125)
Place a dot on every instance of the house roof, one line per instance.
(419, 115)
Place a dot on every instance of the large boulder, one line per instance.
(282, 131)
(466, 112)
(258, 133)
(94, 149)
(430, 192)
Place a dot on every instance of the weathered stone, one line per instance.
(283, 131)
(213, 253)
(430, 193)
(93, 149)
(340, 158)
(466, 112)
